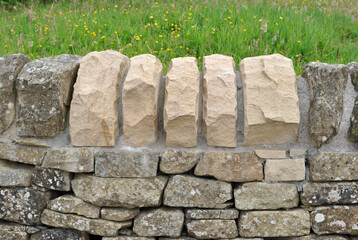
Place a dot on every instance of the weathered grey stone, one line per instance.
(212, 229)
(119, 192)
(353, 71)
(230, 167)
(94, 106)
(59, 234)
(285, 170)
(10, 235)
(10, 66)
(15, 174)
(72, 204)
(93, 226)
(333, 166)
(52, 179)
(316, 194)
(119, 214)
(15, 227)
(178, 161)
(128, 238)
(225, 214)
(187, 191)
(22, 154)
(44, 88)
(22, 205)
(274, 223)
(327, 83)
(70, 159)
(335, 219)
(353, 128)
(263, 153)
(251, 196)
(159, 222)
(126, 164)
(317, 237)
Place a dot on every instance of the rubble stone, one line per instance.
(15, 174)
(212, 229)
(119, 214)
(52, 179)
(178, 161)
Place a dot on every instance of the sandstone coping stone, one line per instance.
(219, 100)
(128, 238)
(72, 204)
(94, 106)
(15, 174)
(44, 88)
(353, 128)
(181, 103)
(285, 170)
(225, 214)
(52, 179)
(92, 226)
(333, 166)
(315, 194)
(230, 167)
(15, 227)
(58, 233)
(6, 235)
(70, 159)
(178, 161)
(353, 72)
(335, 219)
(10, 66)
(119, 214)
(126, 164)
(250, 196)
(274, 223)
(263, 153)
(22, 154)
(212, 229)
(159, 222)
(271, 107)
(119, 192)
(140, 100)
(327, 83)
(188, 191)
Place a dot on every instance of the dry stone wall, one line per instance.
(107, 147)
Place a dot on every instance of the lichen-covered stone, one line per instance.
(52, 179)
(263, 153)
(44, 88)
(181, 104)
(274, 223)
(212, 229)
(225, 214)
(187, 191)
(353, 128)
(72, 204)
(10, 66)
(126, 164)
(353, 71)
(327, 83)
(93, 226)
(119, 214)
(178, 161)
(119, 192)
(159, 222)
(219, 100)
(140, 100)
(270, 100)
(333, 166)
(316, 194)
(15, 174)
(22, 154)
(59, 234)
(22, 205)
(317, 237)
(15, 227)
(259, 195)
(285, 170)
(230, 167)
(94, 106)
(335, 219)
(10, 235)
(70, 159)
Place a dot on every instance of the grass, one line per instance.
(302, 30)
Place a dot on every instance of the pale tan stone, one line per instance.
(270, 153)
(94, 107)
(272, 113)
(285, 170)
(212, 229)
(22, 154)
(219, 100)
(181, 104)
(140, 98)
(119, 214)
(297, 152)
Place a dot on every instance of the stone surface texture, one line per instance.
(7, 235)
(263, 153)
(59, 234)
(44, 88)
(230, 167)
(353, 72)
(187, 191)
(140, 100)
(119, 192)
(94, 106)
(15, 227)
(297, 152)
(250, 196)
(270, 100)
(225, 214)
(129, 238)
(212, 229)
(52, 179)
(323, 237)
(15, 174)
(285, 170)
(119, 214)
(219, 100)
(178, 161)
(181, 104)
(327, 83)
(22, 154)
(353, 128)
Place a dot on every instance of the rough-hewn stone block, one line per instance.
(119, 214)
(15, 227)
(52, 179)
(263, 153)
(178, 161)
(59, 233)
(225, 214)
(22, 154)
(7, 235)
(285, 170)
(212, 229)
(15, 174)
(317, 237)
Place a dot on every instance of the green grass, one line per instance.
(302, 30)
